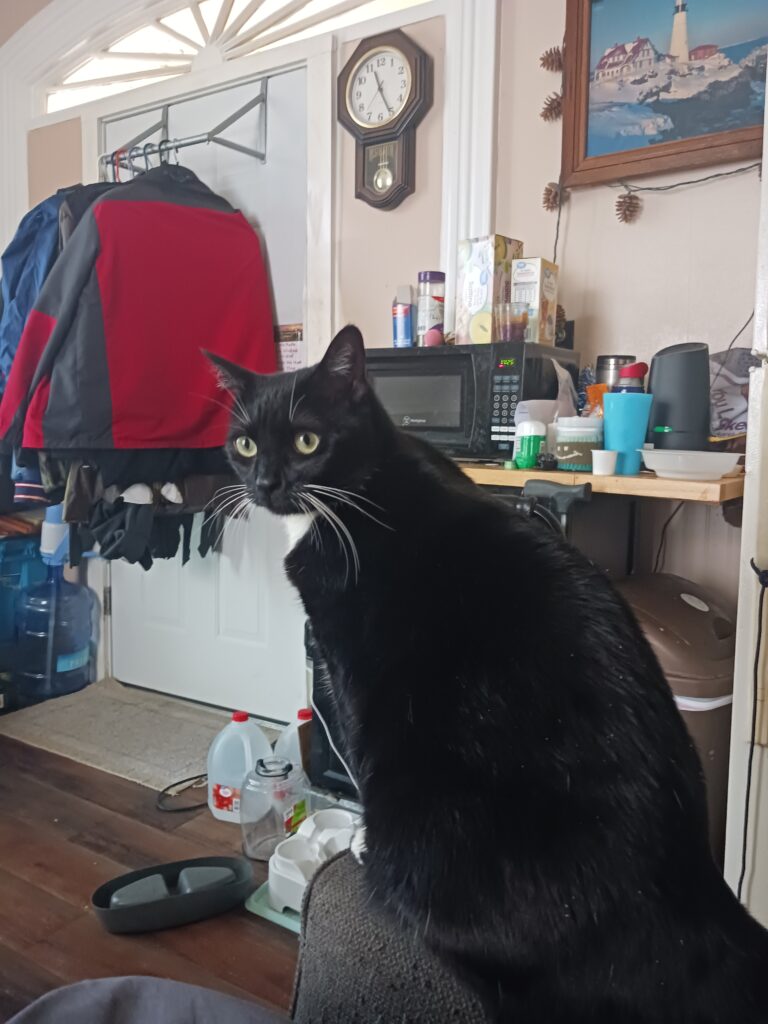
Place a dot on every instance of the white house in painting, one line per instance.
(625, 60)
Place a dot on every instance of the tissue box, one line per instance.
(534, 281)
(484, 280)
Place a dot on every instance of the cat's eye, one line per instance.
(306, 442)
(246, 446)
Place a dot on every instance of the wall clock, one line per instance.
(384, 91)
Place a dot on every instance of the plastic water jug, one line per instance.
(54, 626)
(288, 744)
(233, 753)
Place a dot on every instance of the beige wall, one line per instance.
(54, 158)
(685, 271)
(379, 250)
(15, 13)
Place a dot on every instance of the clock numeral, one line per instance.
(369, 115)
(380, 62)
(400, 98)
(400, 70)
(369, 67)
(361, 79)
(359, 94)
(381, 117)
(361, 107)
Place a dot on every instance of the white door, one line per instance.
(754, 546)
(228, 629)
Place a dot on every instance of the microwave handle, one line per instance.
(475, 402)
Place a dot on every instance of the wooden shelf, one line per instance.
(645, 485)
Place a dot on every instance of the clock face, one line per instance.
(379, 87)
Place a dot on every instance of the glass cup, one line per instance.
(511, 321)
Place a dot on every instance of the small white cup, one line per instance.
(603, 462)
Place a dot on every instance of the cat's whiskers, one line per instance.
(314, 530)
(220, 494)
(345, 530)
(235, 516)
(349, 494)
(236, 410)
(227, 502)
(291, 407)
(342, 533)
(346, 498)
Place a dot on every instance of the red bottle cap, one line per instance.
(239, 716)
(635, 370)
(305, 715)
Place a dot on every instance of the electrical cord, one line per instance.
(316, 711)
(661, 550)
(186, 784)
(762, 575)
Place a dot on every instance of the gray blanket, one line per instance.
(141, 1001)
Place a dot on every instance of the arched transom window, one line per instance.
(199, 35)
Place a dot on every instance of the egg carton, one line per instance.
(295, 860)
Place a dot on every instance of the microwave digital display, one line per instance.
(422, 402)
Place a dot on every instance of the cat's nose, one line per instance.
(267, 485)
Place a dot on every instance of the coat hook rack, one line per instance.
(121, 158)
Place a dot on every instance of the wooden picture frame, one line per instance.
(684, 154)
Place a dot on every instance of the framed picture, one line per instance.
(661, 85)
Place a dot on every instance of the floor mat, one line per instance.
(151, 739)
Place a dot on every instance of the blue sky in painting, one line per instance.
(722, 22)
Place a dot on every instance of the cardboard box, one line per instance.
(535, 281)
(484, 280)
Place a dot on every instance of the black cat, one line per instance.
(533, 803)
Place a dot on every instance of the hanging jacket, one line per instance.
(111, 354)
(25, 266)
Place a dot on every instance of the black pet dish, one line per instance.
(177, 907)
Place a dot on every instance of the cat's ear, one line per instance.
(343, 365)
(233, 378)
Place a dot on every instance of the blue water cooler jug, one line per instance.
(54, 625)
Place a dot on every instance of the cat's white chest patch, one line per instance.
(296, 526)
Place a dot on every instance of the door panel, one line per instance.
(225, 629)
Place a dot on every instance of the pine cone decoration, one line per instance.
(628, 207)
(553, 107)
(552, 59)
(551, 198)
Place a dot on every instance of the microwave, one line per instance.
(463, 398)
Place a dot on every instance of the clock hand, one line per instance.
(381, 90)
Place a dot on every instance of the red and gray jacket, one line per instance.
(110, 358)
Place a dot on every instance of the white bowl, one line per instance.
(675, 465)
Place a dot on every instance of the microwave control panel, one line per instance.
(505, 394)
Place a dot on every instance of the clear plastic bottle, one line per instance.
(288, 743)
(274, 804)
(430, 319)
(233, 753)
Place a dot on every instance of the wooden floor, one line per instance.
(65, 829)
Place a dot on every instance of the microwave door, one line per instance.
(432, 401)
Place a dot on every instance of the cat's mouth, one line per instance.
(278, 502)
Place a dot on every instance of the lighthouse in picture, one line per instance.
(678, 47)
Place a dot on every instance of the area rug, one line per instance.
(151, 739)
